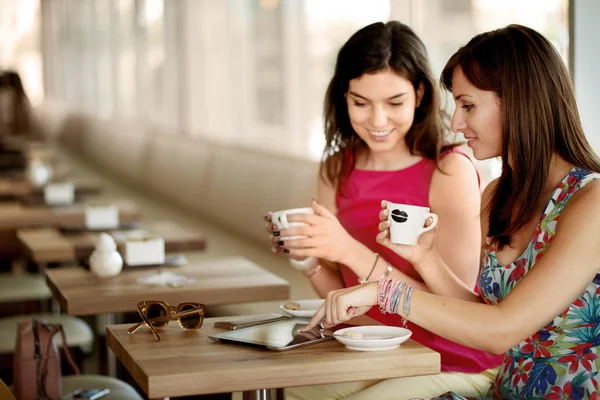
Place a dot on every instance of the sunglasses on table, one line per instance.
(157, 314)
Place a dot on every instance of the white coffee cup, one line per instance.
(280, 219)
(407, 222)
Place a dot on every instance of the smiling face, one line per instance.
(381, 107)
(478, 116)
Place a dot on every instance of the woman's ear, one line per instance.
(419, 94)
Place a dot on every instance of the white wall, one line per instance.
(587, 66)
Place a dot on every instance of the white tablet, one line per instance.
(279, 335)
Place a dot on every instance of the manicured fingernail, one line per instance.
(281, 242)
(286, 250)
(276, 233)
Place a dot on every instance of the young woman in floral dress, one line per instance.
(539, 286)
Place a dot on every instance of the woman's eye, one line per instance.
(358, 104)
(467, 107)
(396, 104)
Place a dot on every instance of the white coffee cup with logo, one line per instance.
(407, 222)
(280, 219)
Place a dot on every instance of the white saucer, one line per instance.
(308, 308)
(395, 336)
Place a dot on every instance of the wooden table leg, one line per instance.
(111, 359)
(265, 394)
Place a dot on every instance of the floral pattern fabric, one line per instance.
(562, 360)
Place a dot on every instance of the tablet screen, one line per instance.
(280, 335)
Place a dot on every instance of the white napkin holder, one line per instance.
(147, 250)
(59, 193)
(101, 216)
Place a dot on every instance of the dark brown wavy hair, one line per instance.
(539, 118)
(372, 49)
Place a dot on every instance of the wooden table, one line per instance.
(20, 188)
(14, 215)
(51, 245)
(188, 363)
(216, 281)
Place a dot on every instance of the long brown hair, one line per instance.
(372, 49)
(539, 118)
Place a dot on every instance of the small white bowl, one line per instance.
(308, 308)
(391, 337)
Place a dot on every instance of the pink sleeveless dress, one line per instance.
(358, 202)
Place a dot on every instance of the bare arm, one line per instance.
(437, 271)
(454, 196)
(559, 277)
(458, 237)
(358, 256)
(328, 277)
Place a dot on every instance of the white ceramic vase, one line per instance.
(106, 261)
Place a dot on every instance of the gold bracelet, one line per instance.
(365, 280)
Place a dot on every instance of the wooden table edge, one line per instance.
(147, 383)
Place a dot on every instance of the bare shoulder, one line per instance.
(326, 191)
(455, 164)
(454, 187)
(585, 200)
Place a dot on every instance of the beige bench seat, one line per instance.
(119, 390)
(27, 287)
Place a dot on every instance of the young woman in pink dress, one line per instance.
(385, 138)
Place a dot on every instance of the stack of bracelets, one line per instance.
(389, 295)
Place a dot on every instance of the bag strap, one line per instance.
(67, 352)
(42, 368)
(42, 362)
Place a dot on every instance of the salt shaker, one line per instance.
(106, 261)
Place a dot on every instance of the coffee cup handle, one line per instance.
(433, 224)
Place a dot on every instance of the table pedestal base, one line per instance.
(265, 394)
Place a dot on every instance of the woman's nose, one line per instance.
(379, 118)
(458, 122)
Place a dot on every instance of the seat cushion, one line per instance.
(14, 288)
(119, 390)
(77, 332)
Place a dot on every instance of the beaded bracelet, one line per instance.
(396, 298)
(382, 289)
(387, 304)
(406, 309)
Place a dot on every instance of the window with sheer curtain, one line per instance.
(250, 73)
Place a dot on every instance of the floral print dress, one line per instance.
(562, 360)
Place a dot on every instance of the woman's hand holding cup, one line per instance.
(407, 230)
(317, 235)
(282, 226)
